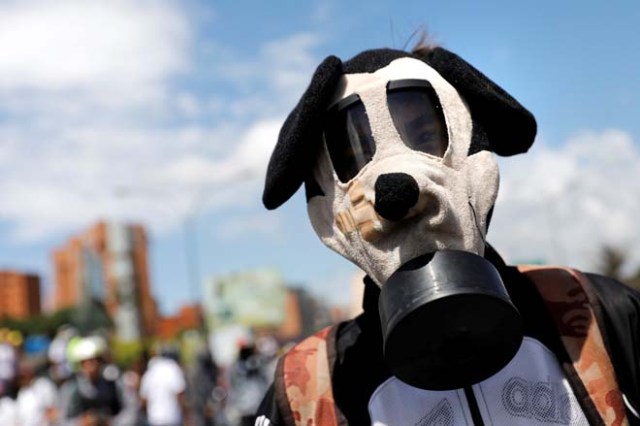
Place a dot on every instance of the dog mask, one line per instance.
(396, 154)
(383, 196)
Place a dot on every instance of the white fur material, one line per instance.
(456, 191)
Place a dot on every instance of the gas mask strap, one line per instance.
(475, 220)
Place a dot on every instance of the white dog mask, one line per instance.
(396, 152)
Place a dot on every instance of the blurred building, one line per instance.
(260, 300)
(305, 314)
(357, 294)
(251, 298)
(292, 324)
(108, 262)
(189, 317)
(19, 294)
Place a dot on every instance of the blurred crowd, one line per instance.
(73, 380)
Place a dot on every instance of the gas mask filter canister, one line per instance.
(447, 321)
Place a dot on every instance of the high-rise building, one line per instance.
(19, 294)
(109, 262)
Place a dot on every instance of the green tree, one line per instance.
(39, 324)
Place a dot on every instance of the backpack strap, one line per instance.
(303, 383)
(570, 301)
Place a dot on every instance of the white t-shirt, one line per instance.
(8, 411)
(8, 362)
(34, 400)
(160, 386)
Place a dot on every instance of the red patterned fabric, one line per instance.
(307, 379)
(567, 294)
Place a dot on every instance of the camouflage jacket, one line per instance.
(356, 369)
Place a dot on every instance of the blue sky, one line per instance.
(163, 111)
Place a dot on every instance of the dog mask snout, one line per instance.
(396, 194)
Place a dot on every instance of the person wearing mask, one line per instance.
(397, 154)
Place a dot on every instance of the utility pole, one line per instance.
(191, 251)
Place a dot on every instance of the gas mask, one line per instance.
(400, 180)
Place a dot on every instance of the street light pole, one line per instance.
(191, 251)
(189, 228)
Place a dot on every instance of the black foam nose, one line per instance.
(396, 193)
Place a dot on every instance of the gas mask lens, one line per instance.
(347, 135)
(417, 116)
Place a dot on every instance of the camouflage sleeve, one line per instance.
(268, 413)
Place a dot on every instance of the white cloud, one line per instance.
(254, 151)
(563, 204)
(188, 105)
(80, 45)
(96, 124)
(275, 76)
(290, 61)
(75, 64)
(87, 90)
(84, 174)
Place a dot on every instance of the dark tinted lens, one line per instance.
(348, 137)
(418, 117)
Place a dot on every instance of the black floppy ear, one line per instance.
(300, 136)
(500, 123)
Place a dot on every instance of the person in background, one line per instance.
(8, 364)
(268, 348)
(163, 391)
(90, 398)
(10, 341)
(8, 410)
(37, 397)
(248, 384)
(131, 414)
(57, 353)
(204, 379)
